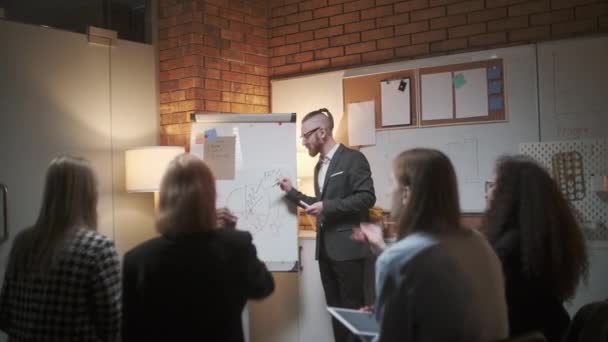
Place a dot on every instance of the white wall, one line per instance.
(58, 94)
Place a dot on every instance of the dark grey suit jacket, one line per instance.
(348, 194)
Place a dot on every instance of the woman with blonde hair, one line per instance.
(439, 281)
(192, 282)
(63, 278)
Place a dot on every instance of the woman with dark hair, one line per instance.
(63, 278)
(540, 245)
(192, 282)
(439, 281)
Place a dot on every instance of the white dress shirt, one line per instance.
(325, 160)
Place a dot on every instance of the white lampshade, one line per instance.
(145, 166)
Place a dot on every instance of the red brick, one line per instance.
(360, 47)
(256, 100)
(165, 97)
(344, 18)
(573, 27)
(233, 76)
(277, 41)
(450, 21)
(359, 26)
(240, 26)
(358, 5)
(286, 69)
(346, 60)
(300, 57)
(508, 24)
(435, 3)
(241, 108)
(552, 17)
(277, 61)
(256, 80)
(345, 39)
(217, 84)
(232, 55)
(232, 35)
(275, 22)
(329, 52)
(328, 11)
(376, 12)
(168, 86)
(530, 34)
(309, 4)
(592, 11)
(394, 42)
(488, 39)
(285, 30)
(284, 10)
(314, 24)
(299, 37)
(216, 63)
(530, 7)
(329, 32)
(315, 65)
(233, 97)
(217, 106)
(256, 41)
(427, 13)
(557, 4)
(467, 30)
(412, 50)
(397, 19)
(258, 60)
(429, 36)
(377, 34)
(215, 21)
(332, 2)
(466, 7)
(314, 44)
(487, 15)
(298, 17)
(375, 56)
(449, 45)
(411, 28)
(230, 14)
(408, 6)
(285, 50)
(243, 88)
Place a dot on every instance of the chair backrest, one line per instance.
(533, 336)
(590, 324)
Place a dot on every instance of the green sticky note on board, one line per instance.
(458, 80)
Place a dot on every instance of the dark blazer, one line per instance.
(191, 288)
(348, 194)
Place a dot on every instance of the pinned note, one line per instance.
(459, 80)
(219, 155)
(211, 134)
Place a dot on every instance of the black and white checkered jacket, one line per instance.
(78, 300)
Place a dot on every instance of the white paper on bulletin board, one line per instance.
(395, 103)
(361, 123)
(472, 94)
(436, 93)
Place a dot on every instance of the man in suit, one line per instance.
(344, 193)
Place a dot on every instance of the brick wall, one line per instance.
(318, 35)
(214, 57)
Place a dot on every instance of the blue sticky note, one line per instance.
(495, 87)
(496, 103)
(211, 134)
(494, 72)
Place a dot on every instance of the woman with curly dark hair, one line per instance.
(541, 246)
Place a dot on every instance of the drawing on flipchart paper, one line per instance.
(258, 202)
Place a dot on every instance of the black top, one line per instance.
(531, 306)
(191, 288)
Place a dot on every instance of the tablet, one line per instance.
(358, 322)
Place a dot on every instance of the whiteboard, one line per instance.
(264, 152)
(473, 148)
(573, 87)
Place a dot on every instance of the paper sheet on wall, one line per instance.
(472, 95)
(395, 102)
(436, 93)
(361, 123)
(219, 155)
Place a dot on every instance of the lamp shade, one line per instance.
(145, 166)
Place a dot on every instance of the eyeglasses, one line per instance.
(307, 135)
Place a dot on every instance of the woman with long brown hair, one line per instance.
(439, 281)
(540, 244)
(192, 282)
(63, 278)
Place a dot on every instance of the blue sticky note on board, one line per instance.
(211, 134)
(495, 87)
(494, 72)
(496, 103)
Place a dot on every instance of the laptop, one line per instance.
(358, 322)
